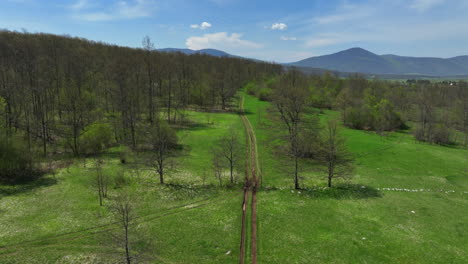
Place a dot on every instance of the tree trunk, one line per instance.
(296, 176)
(127, 250)
(232, 168)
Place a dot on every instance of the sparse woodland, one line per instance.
(61, 94)
(436, 112)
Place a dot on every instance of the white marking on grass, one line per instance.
(413, 190)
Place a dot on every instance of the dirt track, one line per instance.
(251, 184)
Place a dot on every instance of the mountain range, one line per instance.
(358, 60)
(212, 52)
(363, 61)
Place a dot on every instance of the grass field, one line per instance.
(361, 222)
(67, 202)
(364, 223)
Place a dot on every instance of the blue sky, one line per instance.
(281, 31)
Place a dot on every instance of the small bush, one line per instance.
(15, 164)
(264, 94)
(437, 134)
(441, 135)
(419, 134)
(120, 180)
(97, 137)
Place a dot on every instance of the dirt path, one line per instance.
(251, 184)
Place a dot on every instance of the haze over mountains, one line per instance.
(363, 61)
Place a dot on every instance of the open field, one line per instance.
(186, 221)
(365, 223)
(364, 220)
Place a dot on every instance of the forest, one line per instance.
(60, 94)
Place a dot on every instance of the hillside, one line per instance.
(363, 61)
(351, 60)
(460, 60)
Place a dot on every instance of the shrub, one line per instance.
(120, 180)
(264, 94)
(419, 134)
(250, 88)
(96, 137)
(15, 164)
(441, 135)
(379, 116)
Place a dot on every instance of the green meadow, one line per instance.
(369, 218)
(407, 203)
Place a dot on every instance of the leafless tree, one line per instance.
(123, 210)
(229, 147)
(161, 138)
(217, 166)
(101, 180)
(290, 97)
(333, 154)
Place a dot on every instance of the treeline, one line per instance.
(437, 112)
(55, 89)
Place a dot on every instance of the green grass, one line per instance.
(199, 139)
(317, 225)
(67, 202)
(364, 223)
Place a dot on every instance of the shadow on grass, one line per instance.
(246, 112)
(18, 188)
(339, 192)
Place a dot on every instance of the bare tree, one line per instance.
(161, 139)
(101, 181)
(229, 148)
(333, 154)
(148, 46)
(217, 166)
(290, 97)
(123, 210)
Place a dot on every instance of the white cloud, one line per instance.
(94, 17)
(80, 4)
(202, 26)
(121, 10)
(347, 12)
(279, 26)
(394, 33)
(220, 40)
(288, 38)
(423, 5)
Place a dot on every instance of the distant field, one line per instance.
(362, 223)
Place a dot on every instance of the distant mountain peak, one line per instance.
(212, 52)
(363, 61)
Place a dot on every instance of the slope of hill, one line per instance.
(351, 60)
(363, 61)
(460, 60)
(431, 66)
